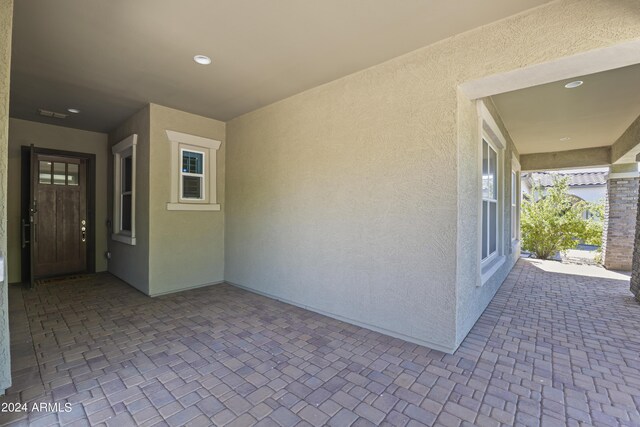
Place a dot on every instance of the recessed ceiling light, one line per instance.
(73, 110)
(565, 138)
(574, 84)
(202, 59)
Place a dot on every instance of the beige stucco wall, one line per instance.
(342, 199)
(175, 250)
(359, 198)
(472, 293)
(187, 247)
(25, 133)
(552, 31)
(131, 263)
(6, 19)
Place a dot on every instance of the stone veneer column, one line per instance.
(635, 270)
(620, 217)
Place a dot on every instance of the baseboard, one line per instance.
(128, 283)
(365, 325)
(157, 294)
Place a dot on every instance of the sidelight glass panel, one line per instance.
(44, 172)
(59, 173)
(73, 174)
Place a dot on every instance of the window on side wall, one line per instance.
(192, 175)
(489, 200)
(124, 190)
(193, 172)
(515, 205)
(493, 199)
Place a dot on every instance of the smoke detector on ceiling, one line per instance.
(47, 113)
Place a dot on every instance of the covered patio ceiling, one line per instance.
(109, 59)
(588, 120)
(551, 117)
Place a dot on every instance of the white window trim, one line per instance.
(488, 130)
(202, 175)
(180, 141)
(120, 151)
(517, 169)
(496, 200)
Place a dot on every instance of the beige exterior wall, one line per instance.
(25, 133)
(187, 247)
(175, 250)
(131, 263)
(359, 198)
(6, 20)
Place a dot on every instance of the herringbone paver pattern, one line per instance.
(551, 349)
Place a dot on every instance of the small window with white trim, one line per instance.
(193, 172)
(124, 190)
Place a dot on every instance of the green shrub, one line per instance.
(593, 228)
(552, 220)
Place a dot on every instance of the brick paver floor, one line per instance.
(551, 349)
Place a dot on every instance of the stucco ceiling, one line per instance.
(109, 58)
(595, 114)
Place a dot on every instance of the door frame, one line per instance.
(25, 186)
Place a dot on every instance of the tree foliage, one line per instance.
(593, 228)
(552, 220)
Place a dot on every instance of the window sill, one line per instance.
(193, 207)
(490, 268)
(124, 239)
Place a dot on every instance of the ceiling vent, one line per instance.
(47, 113)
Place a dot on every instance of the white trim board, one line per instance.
(189, 139)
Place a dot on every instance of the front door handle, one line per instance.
(24, 226)
(83, 230)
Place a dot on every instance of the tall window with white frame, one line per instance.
(489, 200)
(124, 190)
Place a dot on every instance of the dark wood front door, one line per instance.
(59, 228)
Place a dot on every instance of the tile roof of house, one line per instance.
(575, 178)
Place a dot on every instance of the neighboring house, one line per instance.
(366, 175)
(590, 185)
